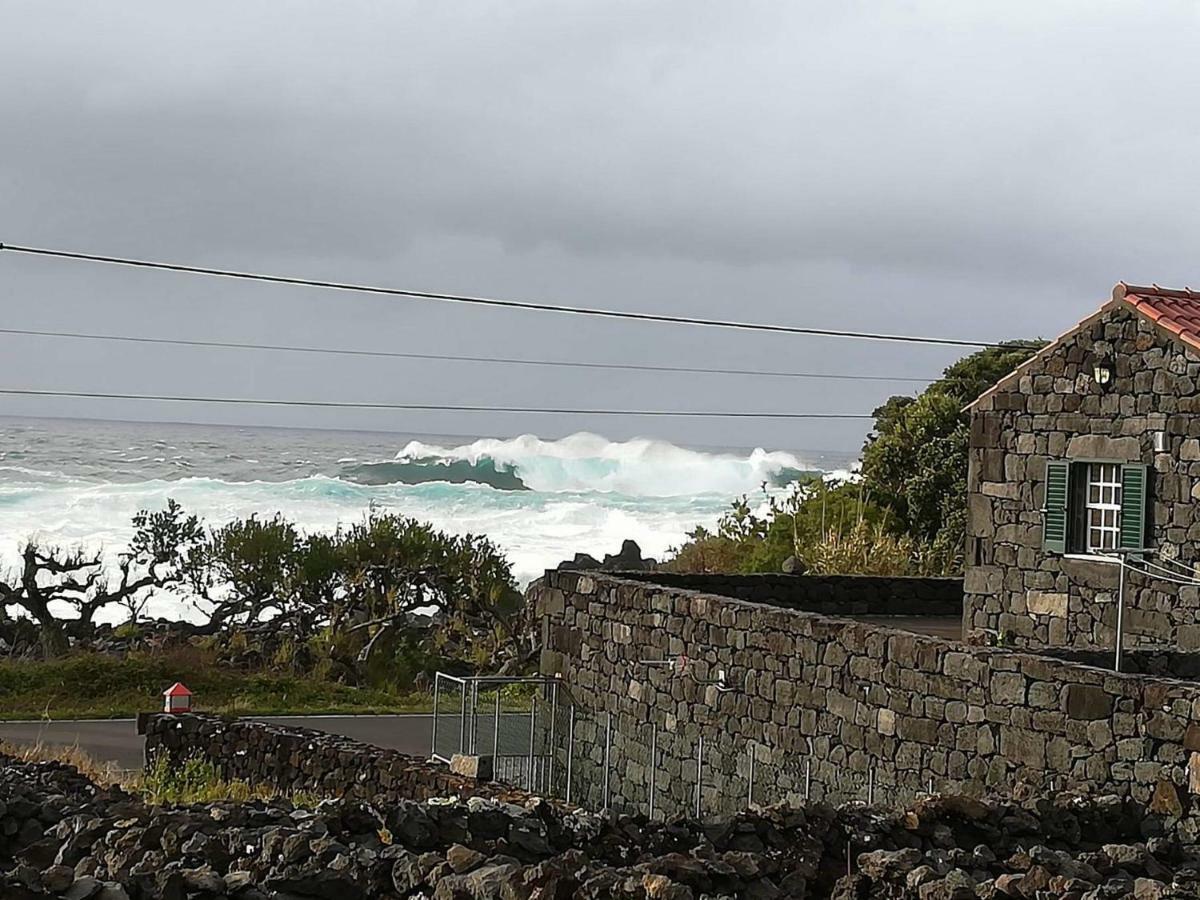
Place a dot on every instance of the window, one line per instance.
(1103, 507)
(1094, 507)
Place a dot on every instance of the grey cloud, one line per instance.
(966, 169)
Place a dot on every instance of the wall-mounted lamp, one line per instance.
(1102, 372)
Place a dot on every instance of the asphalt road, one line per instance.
(117, 740)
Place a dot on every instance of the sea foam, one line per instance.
(586, 462)
(540, 501)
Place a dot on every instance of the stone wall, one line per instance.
(1054, 410)
(852, 697)
(300, 759)
(848, 595)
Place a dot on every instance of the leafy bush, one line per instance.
(905, 515)
(746, 541)
(377, 603)
(915, 459)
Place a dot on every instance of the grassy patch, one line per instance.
(96, 686)
(198, 781)
(195, 781)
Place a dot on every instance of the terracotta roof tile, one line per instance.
(1177, 311)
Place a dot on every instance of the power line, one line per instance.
(430, 407)
(394, 354)
(494, 302)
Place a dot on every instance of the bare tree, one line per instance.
(163, 551)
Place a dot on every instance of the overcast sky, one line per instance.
(976, 170)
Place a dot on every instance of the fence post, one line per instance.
(607, 757)
(699, 771)
(553, 735)
(570, 747)
(808, 778)
(437, 678)
(462, 722)
(496, 728)
(653, 765)
(870, 787)
(473, 745)
(532, 739)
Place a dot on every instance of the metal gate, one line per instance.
(512, 719)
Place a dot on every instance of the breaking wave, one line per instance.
(584, 462)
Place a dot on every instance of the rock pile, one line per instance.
(629, 559)
(62, 836)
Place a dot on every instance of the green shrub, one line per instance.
(745, 541)
(196, 780)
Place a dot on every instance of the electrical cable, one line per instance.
(430, 407)
(395, 354)
(496, 302)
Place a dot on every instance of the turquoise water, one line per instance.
(77, 483)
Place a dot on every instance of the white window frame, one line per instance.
(1102, 515)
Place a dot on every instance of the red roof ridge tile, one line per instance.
(1176, 312)
(1123, 290)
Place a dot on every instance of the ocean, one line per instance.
(77, 483)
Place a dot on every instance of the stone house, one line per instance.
(1089, 450)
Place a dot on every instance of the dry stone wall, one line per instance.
(851, 696)
(847, 595)
(299, 759)
(1054, 410)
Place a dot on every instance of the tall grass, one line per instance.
(102, 773)
(197, 780)
(870, 549)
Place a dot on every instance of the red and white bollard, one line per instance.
(177, 698)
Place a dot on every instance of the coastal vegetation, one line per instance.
(356, 619)
(90, 684)
(904, 513)
(349, 621)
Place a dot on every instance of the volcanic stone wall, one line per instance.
(1054, 410)
(847, 595)
(300, 759)
(852, 697)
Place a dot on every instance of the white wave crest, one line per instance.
(637, 468)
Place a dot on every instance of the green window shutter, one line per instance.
(1054, 514)
(1134, 488)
